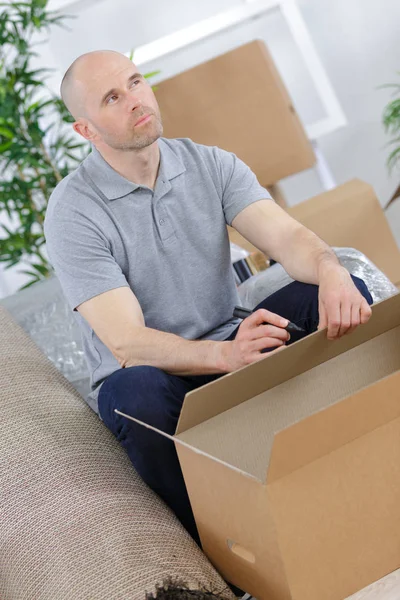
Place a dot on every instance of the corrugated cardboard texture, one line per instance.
(339, 424)
(243, 436)
(230, 507)
(238, 102)
(348, 216)
(339, 518)
(235, 388)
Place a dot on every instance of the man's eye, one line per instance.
(112, 99)
(135, 81)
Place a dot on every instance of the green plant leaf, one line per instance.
(29, 284)
(6, 132)
(151, 74)
(40, 268)
(11, 264)
(391, 123)
(396, 86)
(6, 229)
(5, 146)
(393, 158)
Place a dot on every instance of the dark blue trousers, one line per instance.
(156, 397)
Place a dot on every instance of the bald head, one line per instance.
(76, 80)
(112, 103)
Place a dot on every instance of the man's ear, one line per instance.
(83, 127)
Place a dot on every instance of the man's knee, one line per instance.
(362, 288)
(143, 392)
(311, 291)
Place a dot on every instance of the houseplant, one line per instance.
(391, 122)
(38, 148)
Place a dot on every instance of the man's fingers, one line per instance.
(360, 314)
(265, 316)
(355, 318)
(345, 317)
(323, 320)
(263, 331)
(260, 356)
(265, 342)
(334, 320)
(365, 311)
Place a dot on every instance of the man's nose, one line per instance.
(133, 101)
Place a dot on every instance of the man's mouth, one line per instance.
(142, 120)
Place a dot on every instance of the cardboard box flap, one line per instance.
(182, 443)
(337, 425)
(235, 388)
(243, 436)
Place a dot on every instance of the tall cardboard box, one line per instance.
(292, 464)
(238, 101)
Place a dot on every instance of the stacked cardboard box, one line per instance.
(348, 216)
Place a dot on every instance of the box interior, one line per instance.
(243, 436)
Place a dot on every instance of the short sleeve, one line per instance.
(240, 186)
(80, 256)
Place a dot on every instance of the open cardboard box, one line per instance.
(292, 464)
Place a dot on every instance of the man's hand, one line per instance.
(341, 306)
(252, 337)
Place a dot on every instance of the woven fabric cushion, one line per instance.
(76, 521)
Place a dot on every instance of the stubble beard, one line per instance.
(139, 139)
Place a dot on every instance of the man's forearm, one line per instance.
(171, 353)
(306, 256)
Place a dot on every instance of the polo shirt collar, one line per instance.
(113, 185)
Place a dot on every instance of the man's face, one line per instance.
(121, 109)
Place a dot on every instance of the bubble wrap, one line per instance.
(260, 286)
(44, 314)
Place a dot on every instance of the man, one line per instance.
(137, 237)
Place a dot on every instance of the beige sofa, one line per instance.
(76, 521)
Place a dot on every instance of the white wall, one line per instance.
(357, 41)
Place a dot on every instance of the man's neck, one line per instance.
(139, 166)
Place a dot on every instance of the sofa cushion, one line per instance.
(76, 521)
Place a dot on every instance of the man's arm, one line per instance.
(279, 236)
(308, 259)
(117, 319)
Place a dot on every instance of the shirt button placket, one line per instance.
(164, 225)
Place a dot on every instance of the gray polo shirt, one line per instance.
(169, 245)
